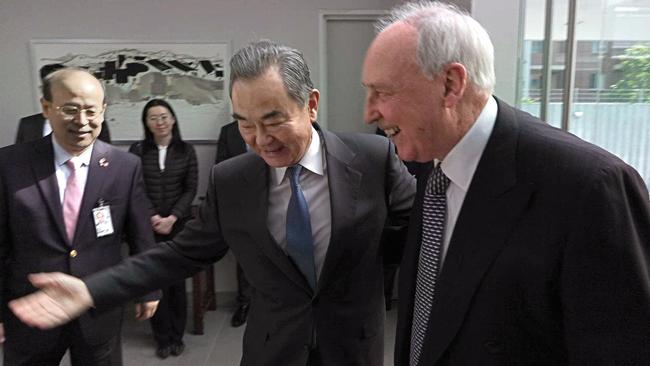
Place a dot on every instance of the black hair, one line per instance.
(149, 142)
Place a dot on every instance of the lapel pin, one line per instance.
(103, 162)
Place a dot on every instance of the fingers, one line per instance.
(39, 310)
(146, 310)
(138, 311)
(41, 280)
(62, 298)
(2, 333)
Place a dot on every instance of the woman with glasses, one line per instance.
(170, 176)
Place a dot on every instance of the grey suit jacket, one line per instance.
(342, 320)
(548, 262)
(33, 237)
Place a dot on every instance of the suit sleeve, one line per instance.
(400, 192)
(199, 244)
(222, 146)
(4, 246)
(105, 133)
(182, 206)
(139, 235)
(605, 278)
(20, 134)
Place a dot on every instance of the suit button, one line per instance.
(73, 253)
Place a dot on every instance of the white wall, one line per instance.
(293, 22)
(501, 20)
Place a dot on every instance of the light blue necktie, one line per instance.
(300, 243)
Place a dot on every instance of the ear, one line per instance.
(312, 105)
(455, 79)
(46, 108)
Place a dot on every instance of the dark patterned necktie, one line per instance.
(300, 243)
(434, 209)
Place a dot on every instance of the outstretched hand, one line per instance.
(61, 299)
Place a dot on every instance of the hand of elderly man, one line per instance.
(61, 299)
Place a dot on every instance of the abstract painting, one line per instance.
(190, 76)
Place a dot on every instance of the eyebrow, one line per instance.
(269, 115)
(272, 114)
(384, 86)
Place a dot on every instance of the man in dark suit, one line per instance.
(231, 144)
(391, 262)
(308, 241)
(66, 202)
(527, 245)
(36, 126)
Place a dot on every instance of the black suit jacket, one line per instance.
(230, 142)
(343, 318)
(548, 262)
(31, 128)
(33, 237)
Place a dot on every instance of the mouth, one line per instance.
(272, 151)
(80, 133)
(391, 131)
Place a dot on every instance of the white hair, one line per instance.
(447, 34)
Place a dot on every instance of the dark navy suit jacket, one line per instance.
(33, 237)
(548, 262)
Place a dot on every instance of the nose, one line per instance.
(262, 137)
(81, 118)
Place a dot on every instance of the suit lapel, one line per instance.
(238, 143)
(44, 173)
(97, 176)
(255, 205)
(493, 203)
(344, 184)
(408, 271)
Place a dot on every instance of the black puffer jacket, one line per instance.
(171, 191)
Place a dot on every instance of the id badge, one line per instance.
(103, 221)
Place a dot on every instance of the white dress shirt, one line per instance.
(162, 156)
(315, 187)
(460, 165)
(47, 127)
(63, 172)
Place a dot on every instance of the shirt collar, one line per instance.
(61, 156)
(461, 162)
(312, 160)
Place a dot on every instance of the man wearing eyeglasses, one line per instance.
(66, 202)
(35, 126)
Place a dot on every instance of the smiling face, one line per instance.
(160, 122)
(274, 125)
(76, 111)
(404, 102)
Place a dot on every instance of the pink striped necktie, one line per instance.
(72, 198)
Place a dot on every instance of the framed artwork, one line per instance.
(190, 76)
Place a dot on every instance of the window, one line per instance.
(611, 95)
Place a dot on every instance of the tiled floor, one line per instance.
(219, 346)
